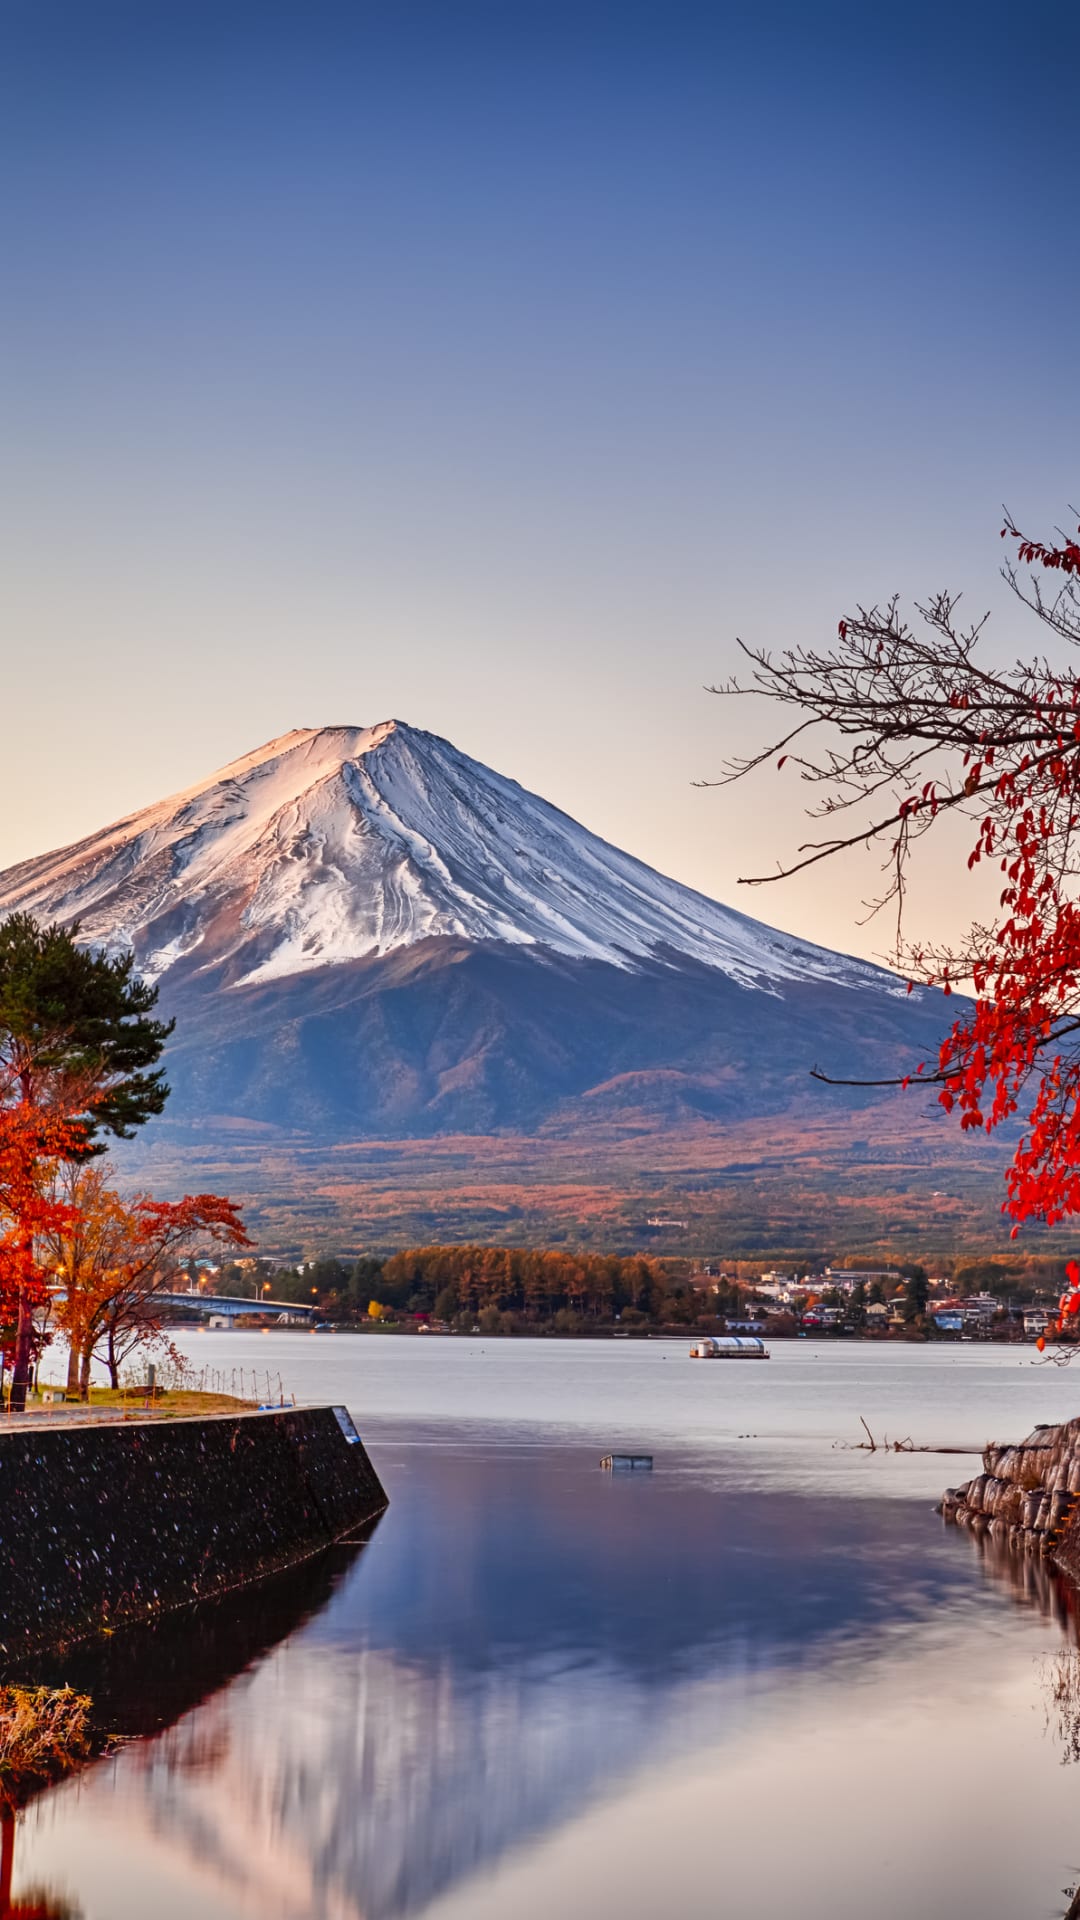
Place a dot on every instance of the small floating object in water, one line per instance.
(730, 1346)
(627, 1462)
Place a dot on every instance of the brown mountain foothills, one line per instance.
(890, 1179)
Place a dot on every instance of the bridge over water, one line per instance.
(231, 1306)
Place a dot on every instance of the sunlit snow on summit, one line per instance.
(333, 844)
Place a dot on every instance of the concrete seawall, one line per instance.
(102, 1525)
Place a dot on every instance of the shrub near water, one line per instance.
(43, 1732)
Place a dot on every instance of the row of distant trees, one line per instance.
(544, 1286)
(508, 1289)
(470, 1284)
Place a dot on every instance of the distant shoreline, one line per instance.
(686, 1335)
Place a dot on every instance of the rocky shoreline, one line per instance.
(1028, 1495)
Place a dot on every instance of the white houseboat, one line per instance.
(730, 1346)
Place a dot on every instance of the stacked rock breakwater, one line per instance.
(101, 1525)
(1027, 1495)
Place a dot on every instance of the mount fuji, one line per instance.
(364, 932)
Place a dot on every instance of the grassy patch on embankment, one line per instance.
(175, 1403)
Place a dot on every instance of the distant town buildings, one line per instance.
(823, 1302)
(846, 1279)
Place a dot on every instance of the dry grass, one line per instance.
(176, 1404)
(177, 1401)
(44, 1732)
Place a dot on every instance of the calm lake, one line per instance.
(763, 1680)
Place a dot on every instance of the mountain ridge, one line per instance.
(330, 844)
(363, 931)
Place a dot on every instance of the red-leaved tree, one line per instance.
(113, 1258)
(34, 1144)
(894, 727)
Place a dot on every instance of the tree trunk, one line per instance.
(112, 1361)
(84, 1372)
(73, 1390)
(20, 1372)
(7, 1858)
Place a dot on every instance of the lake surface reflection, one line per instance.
(764, 1679)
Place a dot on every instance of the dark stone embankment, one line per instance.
(105, 1525)
(189, 1653)
(1028, 1496)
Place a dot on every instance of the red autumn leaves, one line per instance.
(60, 1223)
(920, 722)
(1023, 772)
(33, 1143)
(112, 1258)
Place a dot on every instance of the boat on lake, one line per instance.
(730, 1346)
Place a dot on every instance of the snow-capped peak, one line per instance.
(331, 844)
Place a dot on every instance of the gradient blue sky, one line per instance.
(493, 366)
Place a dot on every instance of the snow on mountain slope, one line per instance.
(333, 844)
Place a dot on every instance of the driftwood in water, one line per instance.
(870, 1445)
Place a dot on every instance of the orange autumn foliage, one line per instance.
(112, 1258)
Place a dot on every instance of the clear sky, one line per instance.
(493, 365)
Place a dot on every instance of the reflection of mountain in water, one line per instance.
(366, 1787)
(191, 1656)
(519, 1637)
